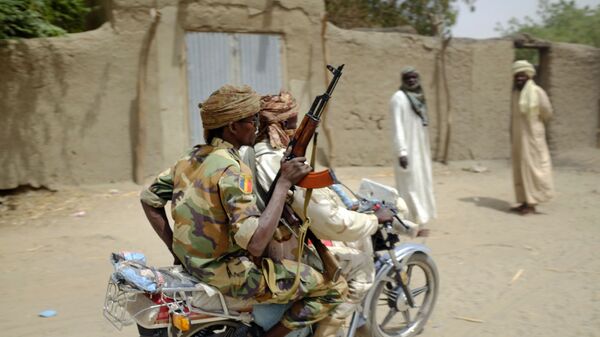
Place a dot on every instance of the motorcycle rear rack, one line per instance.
(118, 296)
(115, 305)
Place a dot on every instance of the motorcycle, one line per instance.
(169, 302)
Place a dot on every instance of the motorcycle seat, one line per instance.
(204, 296)
(132, 272)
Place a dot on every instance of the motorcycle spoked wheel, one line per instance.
(220, 329)
(390, 314)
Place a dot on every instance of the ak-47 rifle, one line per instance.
(297, 148)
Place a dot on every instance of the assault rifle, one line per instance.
(297, 148)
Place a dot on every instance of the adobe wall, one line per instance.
(574, 90)
(77, 109)
(479, 80)
(66, 107)
(110, 104)
(299, 23)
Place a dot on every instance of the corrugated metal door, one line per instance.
(214, 59)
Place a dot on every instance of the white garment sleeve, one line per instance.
(545, 106)
(397, 110)
(267, 166)
(331, 220)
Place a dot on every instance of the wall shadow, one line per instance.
(493, 203)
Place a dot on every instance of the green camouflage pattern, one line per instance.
(215, 216)
(313, 300)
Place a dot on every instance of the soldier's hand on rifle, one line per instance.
(294, 170)
(403, 161)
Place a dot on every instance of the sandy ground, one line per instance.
(501, 274)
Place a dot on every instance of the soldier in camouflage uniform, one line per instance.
(219, 234)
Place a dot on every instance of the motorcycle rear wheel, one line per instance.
(227, 328)
(160, 332)
(390, 314)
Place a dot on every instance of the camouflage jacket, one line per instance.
(212, 204)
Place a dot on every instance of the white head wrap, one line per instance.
(523, 66)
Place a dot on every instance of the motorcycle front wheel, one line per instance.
(390, 314)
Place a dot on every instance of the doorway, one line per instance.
(537, 52)
(215, 59)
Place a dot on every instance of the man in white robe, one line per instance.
(411, 147)
(532, 167)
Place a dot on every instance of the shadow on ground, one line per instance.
(493, 203)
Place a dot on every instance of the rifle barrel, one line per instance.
(316, 110)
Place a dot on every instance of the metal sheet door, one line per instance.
(215, 59)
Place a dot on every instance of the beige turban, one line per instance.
(229, 104)
(523, 66)
(275, 109)
(529, 102)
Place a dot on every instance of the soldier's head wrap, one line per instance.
(275, 111)
(523, 66)
(229, 104)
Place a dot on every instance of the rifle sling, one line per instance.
(270, 277)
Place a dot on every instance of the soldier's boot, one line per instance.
(328, 327)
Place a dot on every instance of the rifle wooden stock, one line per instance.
(330, 263)
(317, 179)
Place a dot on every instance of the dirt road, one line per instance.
(501, 274)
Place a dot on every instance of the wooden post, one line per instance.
(139, 163)
(598, 129)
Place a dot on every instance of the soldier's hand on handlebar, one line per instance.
(294, 170)
(403, 161)
(384, 215)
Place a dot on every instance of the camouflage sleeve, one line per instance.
(160, 191)
(235, 188)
